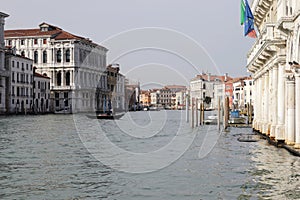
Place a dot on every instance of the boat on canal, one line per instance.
(110, 115)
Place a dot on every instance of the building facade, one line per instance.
(19, 93)
(145, 98)
(202, 87)
(41, 94)
(273, 62)
(73, 63)
(4, 74)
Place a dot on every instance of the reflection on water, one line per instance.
(42, 157)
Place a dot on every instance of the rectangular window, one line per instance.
(26, 66)
(35, 41)
(0, 98)
(56, 95)
(13, 101)
(26, 101)
(39, 85)
(13, 63)
(17, 77)
(22, 42)
(18, 65)
(44, 41)
(57, 103)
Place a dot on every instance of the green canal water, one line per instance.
(160, 157)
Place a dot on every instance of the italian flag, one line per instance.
(243, 10)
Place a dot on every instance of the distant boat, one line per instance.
(110, 115)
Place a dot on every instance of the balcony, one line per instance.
(265, 47)
(67, 88)
(287, 23)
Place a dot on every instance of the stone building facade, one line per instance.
(73, 63)
(273, 61)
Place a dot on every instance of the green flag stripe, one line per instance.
(242, 12)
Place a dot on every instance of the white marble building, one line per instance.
(73, 63)
(208, 86)
(243, 92)
(3, 69)
(276, 77)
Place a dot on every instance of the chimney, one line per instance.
(208, 77)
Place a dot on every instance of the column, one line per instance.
(274, 100)
(280, 128)
(63, 78)
(270, 102)
(297, 88)
(290, 111)
(262, 99)
(266, 103)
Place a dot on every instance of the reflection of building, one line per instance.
(19, 85)
(74, 63)
(41, 95)
(3, 69)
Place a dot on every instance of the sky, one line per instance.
(156, 42)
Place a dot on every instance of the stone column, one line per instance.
(280, 128)
(266, 103)
(274, 100)
(262, 98)
(270, 102)
(63, 78)
(290, 111)
(297, 88)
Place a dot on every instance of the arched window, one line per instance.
(35, 57)
(68, 55)
(44, 56)
(58, 56)
(68, 78)
(58, 78)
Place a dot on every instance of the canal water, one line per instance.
(151, 155)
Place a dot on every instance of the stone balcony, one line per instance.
(287, 23)
(265, 47)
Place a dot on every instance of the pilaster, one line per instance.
(290, 110)
(280, 128)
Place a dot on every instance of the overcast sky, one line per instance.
(212, 25)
